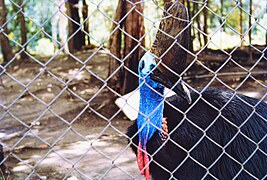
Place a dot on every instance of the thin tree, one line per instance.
(195, 10)
(191, 30)
(134, 26)
(241, 21)
(115, 46)
(222, 29)
(222, 6)
(23, 29)
(86, 23)
(78, 40)
(266, 35)
(205, 24)
(4, 42)
(59, 26)
(249, 33)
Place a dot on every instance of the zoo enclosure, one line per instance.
(246, 61)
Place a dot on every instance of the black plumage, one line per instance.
(222, 135)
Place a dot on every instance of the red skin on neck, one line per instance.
(143, 161)
(142, 156)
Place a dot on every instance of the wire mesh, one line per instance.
(58, 119)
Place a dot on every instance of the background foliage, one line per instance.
(39, 16)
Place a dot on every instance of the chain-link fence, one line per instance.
(58, 115)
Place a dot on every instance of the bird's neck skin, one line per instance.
(149, 120)
(150, 114)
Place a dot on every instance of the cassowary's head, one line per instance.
(153, 77)
(149, 121)
(152, 83)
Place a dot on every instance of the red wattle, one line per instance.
(143, 161)
(140, 158)
(146, 161)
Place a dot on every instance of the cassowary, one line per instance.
(211, 134)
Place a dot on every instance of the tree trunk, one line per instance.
(115, 46)
(198, 25)
(86, 23)
(63, 24)
(134, 26)
(78, 39)
(205, 25)
(222, 29)
(4, 42)
(191, 30)
(54, 24)
(249, 33)
(241, 22)
(265, 43)
(59, 27)
(265, 53)
(222, 15)
(23, 29)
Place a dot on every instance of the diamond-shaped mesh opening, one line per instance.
(65, 74)
(21, 73)
(216, 128)
(104, 23)
(214, 63)
(235, 167)
(55, 127)
(37, 109)
(39, 17)
(236, 79)
(253, 83)
(11, 129)
(68, 102)
(44, 90)
(229, 20)
(97, 64)
(210, 148)
(246, 153)
(18, 90)
(99, 104)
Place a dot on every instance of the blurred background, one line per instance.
(44, 24)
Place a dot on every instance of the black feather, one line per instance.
(228, 129)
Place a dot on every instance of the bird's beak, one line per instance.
(178, 87)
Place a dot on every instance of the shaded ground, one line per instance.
(59, 120)
(60, 130)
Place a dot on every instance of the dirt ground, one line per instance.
(50, 130)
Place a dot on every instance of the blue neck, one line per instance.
(151, 107)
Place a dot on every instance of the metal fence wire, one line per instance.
(57, 117)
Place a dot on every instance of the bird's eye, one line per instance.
(142, 65)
